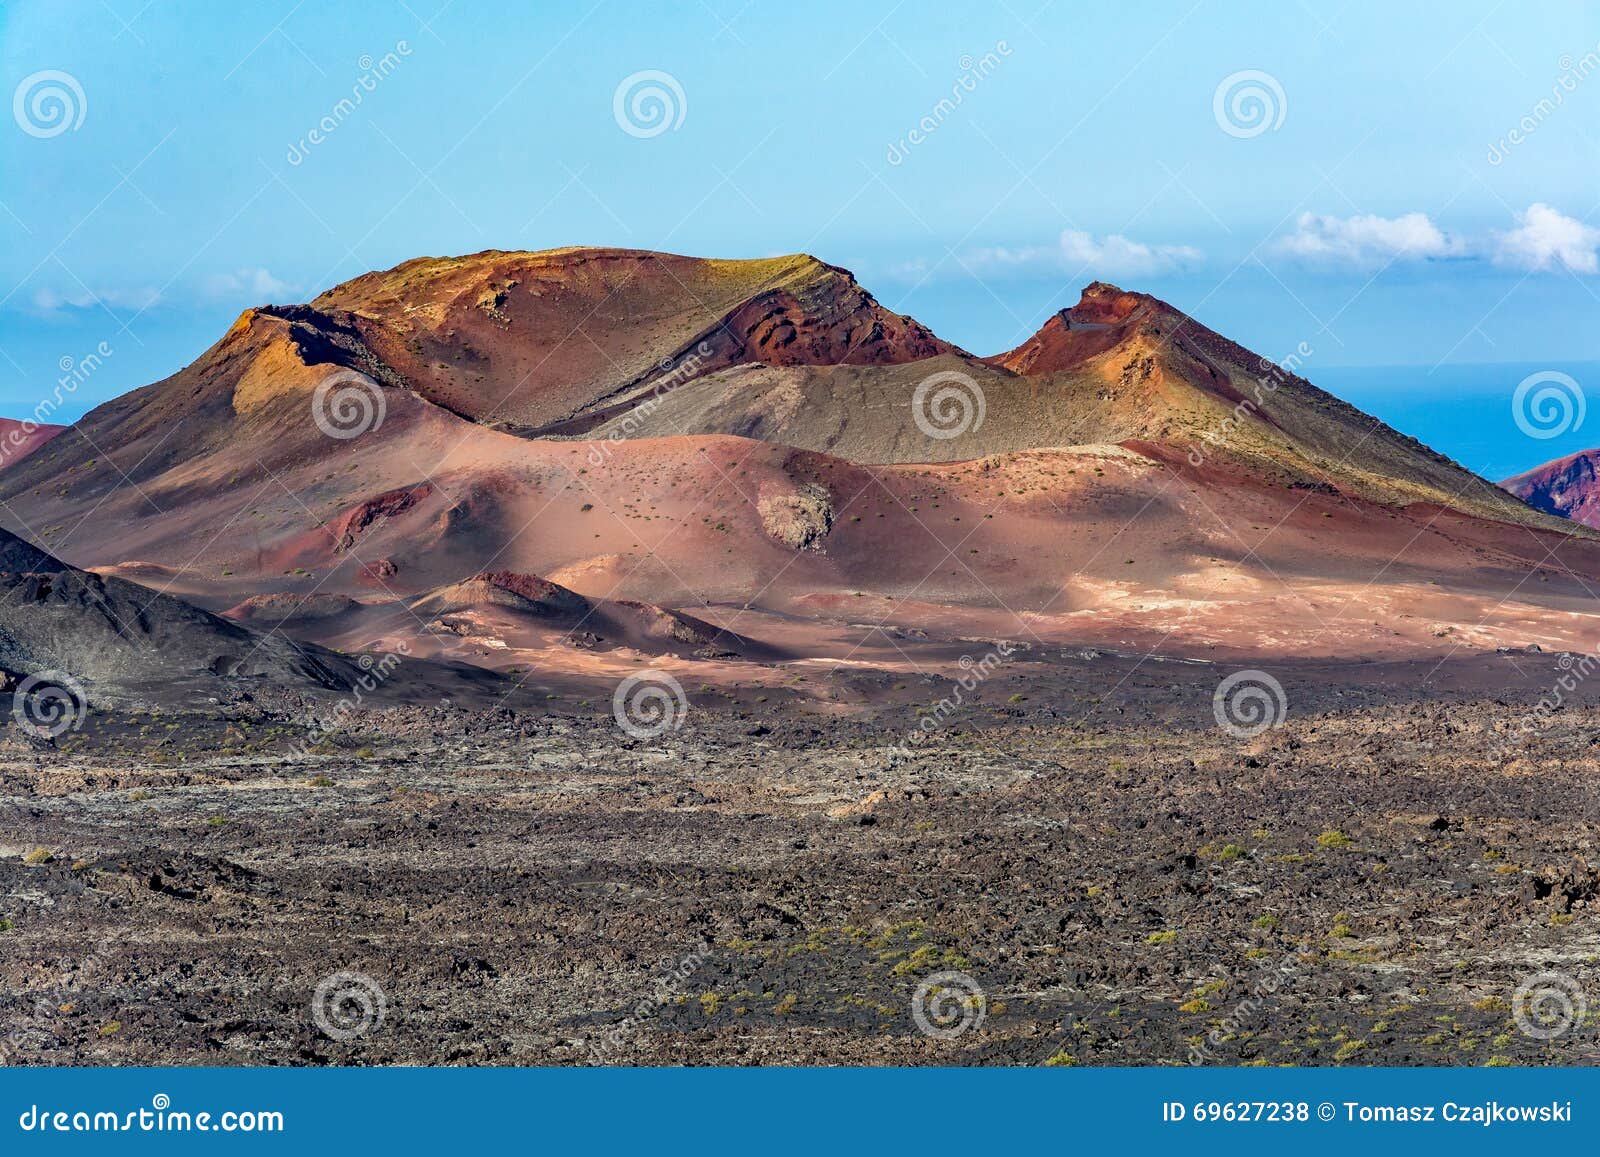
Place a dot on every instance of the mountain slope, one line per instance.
(1567, 487)
(1134, 477)
(111, 633)
(19, 439)
(1117, 368)
(611, 344)
(1158, 375)
(537, 339)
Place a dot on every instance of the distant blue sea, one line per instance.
(1465, 411)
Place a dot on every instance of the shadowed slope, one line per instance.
(112, 633)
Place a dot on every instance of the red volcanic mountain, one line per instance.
(19, 439)
(1073, 336)
(1117, 368)
(1567, 487)
(512, 337)
(579, 458)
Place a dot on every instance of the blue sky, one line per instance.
(1381, 215)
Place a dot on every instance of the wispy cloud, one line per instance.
(1368, 241)
(1546, 238)
(57, 300)
(252, 285)
(257, 285)
(1077, 252)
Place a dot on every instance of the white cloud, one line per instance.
(251, 285)
(256, 284)
(1078, 252)
(1545, 237)
(1369, 241)
(54, 300)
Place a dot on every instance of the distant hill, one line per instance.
(1567, 487)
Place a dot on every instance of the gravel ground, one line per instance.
(1056, 875)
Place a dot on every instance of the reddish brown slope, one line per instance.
(1159, 376)
(19, 439)
(1311, 528)
(534, 339)
(1568, 487)
(1097, 324)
